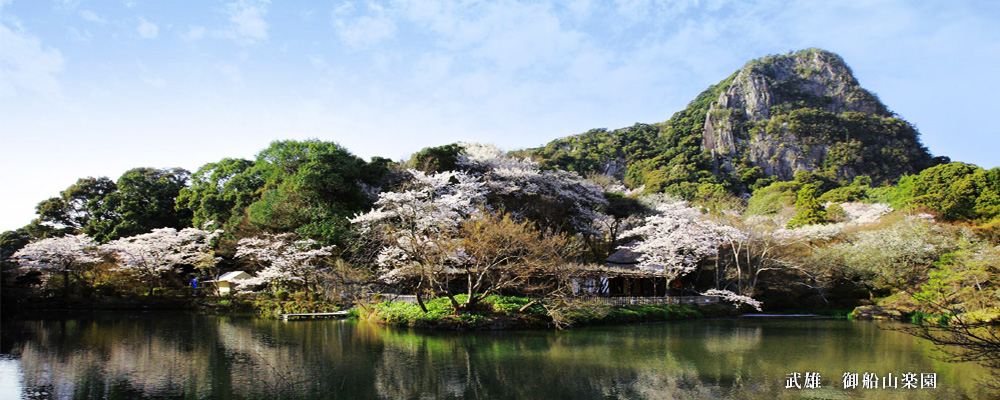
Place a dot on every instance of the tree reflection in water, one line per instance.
(223, 357)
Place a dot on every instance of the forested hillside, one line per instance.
(776, 116)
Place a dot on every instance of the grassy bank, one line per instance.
(504, 312)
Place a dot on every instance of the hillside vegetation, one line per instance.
(776, 116)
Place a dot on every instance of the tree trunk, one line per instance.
(454, 303)
(471, 301)
(420, 302)
(468, 286)
(66, 283)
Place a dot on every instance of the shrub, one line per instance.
(281, 295)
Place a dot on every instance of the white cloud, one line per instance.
(157, 82)
(147, 30)
(92, 17)
(194, 33)
(247, 21)
(26, 66)
(579, 9)
(360, 31)
(83, 36)
(232, 72)
(69, 3)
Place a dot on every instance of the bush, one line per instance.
(495, 311)
(281, 295)
(511, 304)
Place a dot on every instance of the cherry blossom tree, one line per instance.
(673, 240)
(556, 201)
(283, 260)
(152, 255)
(424, 228)
(756, 246)
(66, 255)
(419, 227)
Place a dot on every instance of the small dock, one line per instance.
(288, 317)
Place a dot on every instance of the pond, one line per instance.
(127, 356)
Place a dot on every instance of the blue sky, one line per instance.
(94, 88)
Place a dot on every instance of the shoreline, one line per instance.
(498, 314)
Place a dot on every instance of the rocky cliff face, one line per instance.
(744, 125)
(777, 115)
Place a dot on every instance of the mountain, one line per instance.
(801, 111)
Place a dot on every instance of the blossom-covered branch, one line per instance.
(65, 255)
(734, 298)
(674, 240)
(162, 251)
(282, 259)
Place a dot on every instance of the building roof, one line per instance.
(231, 275)
(624, 256)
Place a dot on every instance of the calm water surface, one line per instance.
(126, 356)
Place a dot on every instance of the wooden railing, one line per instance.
(640, 300)
(609, 300)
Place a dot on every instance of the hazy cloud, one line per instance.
(92, 17)
(194, 33)
(68, 3)
(83, 36)
(27, 66)
(247, 24)
(362, 30)
(147, 30)
(157, 82)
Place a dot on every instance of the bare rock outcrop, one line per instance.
(736, 120)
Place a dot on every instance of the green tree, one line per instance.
(808, 210)
(310, 188)
(78, 209)
(10, 243)
(220, 192)
(955, 192)
(436, 159)
(145, 200)
(773, 198)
